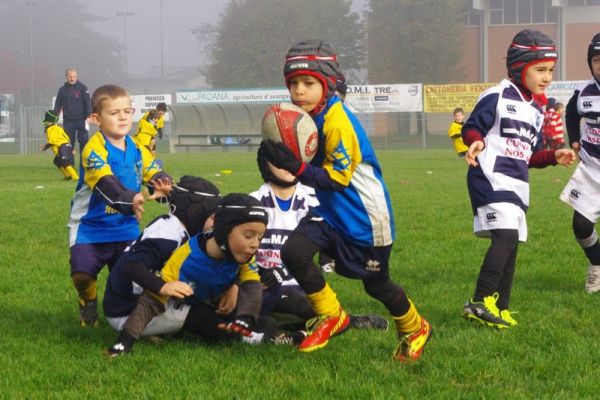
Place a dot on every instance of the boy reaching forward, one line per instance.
(354, 220)
(107, 203)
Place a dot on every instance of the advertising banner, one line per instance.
(385, 98)
(276, 95)
(445, 98)
(563, 90)
(360, 98)
(146, 102)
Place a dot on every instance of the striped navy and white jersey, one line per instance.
(281, 223)
(588, 107)
(511, 130)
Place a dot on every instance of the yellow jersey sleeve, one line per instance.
(94, 159)
(170, 271)
(149, 164)
(342, 148)
(161, 122)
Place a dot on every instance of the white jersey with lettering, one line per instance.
(588, 107)
(511, 130)
(281, 223)
(583, 189)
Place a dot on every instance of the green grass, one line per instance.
(553, 352)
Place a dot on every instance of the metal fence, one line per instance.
(224, 128)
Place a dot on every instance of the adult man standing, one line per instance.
(73, 99)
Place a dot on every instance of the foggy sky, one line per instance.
(180, 48)
(143, 30)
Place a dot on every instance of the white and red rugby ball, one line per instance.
(287, 123)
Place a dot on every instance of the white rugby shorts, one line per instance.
(169, 322)
(582, 192)
(500, 216)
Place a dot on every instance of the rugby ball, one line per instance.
(287, 123)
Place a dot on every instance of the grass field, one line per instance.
(553, 353)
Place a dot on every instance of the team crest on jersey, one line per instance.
(94, 161)
(574, 194)
(341, 159)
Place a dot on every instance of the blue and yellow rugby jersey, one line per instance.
(362, 213)
(92, 220)
(56, 137)
(208, 277)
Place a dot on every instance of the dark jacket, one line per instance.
(74, 101)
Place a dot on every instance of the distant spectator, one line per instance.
(73, 99)
(553, 125)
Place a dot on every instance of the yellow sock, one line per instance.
(325, 302)
(409, 322)
(71, 173)
(85, 285)
(64, 172)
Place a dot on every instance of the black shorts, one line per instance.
(65, 157)
(351, 260)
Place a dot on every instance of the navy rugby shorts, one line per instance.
(351, 260)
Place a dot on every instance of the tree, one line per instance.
(414, 41)
(253, 36)
(61, 38)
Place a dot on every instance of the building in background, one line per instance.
(491, 25)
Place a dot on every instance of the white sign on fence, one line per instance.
(233, 96)
(360, 98)
(146, 102)
(385, 98)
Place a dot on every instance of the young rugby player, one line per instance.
(147, 130)
(60, 143)
(505, 140)
(583, 189)
(107, 203)
(213, 284)
(354, 220)
(287, 201)
(192, 203)
(454, 132)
